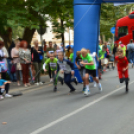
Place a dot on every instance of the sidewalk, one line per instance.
(13, 86)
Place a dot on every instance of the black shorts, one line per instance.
(91, 72)
(99, 67)
(107, 56)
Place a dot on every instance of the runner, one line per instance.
(81, 68)
(90, 70)
(65, 67)
(101, 57)
(71, 55)
(94, 56)
(122, 66)
(52, 62)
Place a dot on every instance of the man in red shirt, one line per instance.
(122, 66)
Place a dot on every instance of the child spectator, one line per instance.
(4, 86)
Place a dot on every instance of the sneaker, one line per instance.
(55, 89)
(94, 84)
(84, 88)
(51, 80)
(8, 96)
(100, 87)
(1, 97)
(100, 78)
(76, 81)
(40, 83)
(71, 91)
(87, 92)
(37, 84)
(127, 90)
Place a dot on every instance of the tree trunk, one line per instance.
(7, 37)
(28, 34)
(62, 34)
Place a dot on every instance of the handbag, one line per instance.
(13, 69)
(3, 67)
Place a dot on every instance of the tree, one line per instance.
(109, 15)
(62, 19)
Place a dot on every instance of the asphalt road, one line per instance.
(42, 111)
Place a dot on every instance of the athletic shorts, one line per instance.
(99, 67)
(107, 56)
(123, 74)
(91, 72)
(82, 72)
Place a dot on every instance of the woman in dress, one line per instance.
(16, 60)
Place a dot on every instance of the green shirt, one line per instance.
(88, 59)
(71, 56)
(52, 63)
(124, 50)
(102, 54)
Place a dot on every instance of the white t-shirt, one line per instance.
(94, 56)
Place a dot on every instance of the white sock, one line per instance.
(99, 84)
(94, 82)
(87, 87)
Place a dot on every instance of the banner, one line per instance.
(125, 3)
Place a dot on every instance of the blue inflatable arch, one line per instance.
(87, 24)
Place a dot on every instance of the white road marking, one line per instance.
(76, 111)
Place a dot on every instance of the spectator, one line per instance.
(45, 45)
(62, 47)
(4, 86)
(10, 62)
(71, 55)
(25, 60)
(55, 45)
(115, 49)
(3, 57)
(130, 48)
(68, 52)
(123, 47)
(16, 60)
(36, 60)
(49, 50)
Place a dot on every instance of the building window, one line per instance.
(123, 31)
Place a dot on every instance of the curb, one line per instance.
(21, 89)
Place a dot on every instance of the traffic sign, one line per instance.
(112, 30)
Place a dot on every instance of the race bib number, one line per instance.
(63, 67)
(85, 61)
(53, 65)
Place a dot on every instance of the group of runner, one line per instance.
(63, 69)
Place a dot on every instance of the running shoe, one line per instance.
(71, 91)
(76, 81)
(55, 89)
(87, 92)
(100, 78)
(100, 87)
(127, 90)
(94, 84)
(84, 88)
(51, 80)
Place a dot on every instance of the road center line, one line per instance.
(76, 111)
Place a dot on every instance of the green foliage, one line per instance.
(110, 14)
